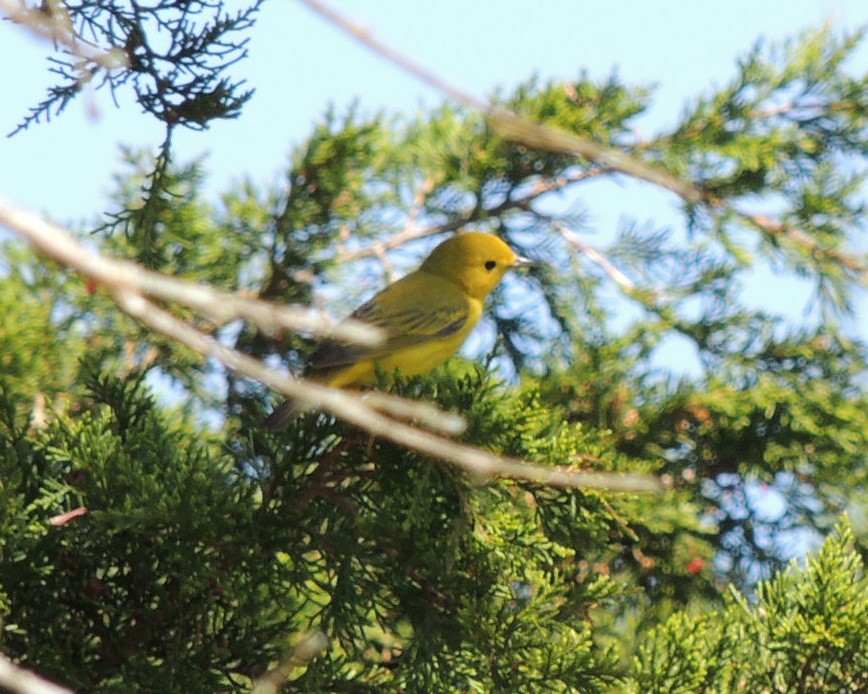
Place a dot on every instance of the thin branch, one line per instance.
(20, 681)
(810, 246)
(596, 257)
(311, 645)
(412, 232)
(55, 25)
(416, 411)
(363, 36)
(387, 265)
(512, 126)
(217, 305)
(350, 406)
(519, 129)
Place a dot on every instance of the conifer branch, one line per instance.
(809, 246)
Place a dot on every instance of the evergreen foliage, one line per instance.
(804, 632)
(212, 551)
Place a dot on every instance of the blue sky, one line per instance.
(299, 64)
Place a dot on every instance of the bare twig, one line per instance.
(515, 127)
(412, 232)
(388, 267)
(311, 645)
(20, 681)
(519, 129)
(367, 39)
(422, 412)
(218, 306)
(596, 257)
(54, 24)
(809, 245)
(351, 407)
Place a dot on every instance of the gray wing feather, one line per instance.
(405, 328)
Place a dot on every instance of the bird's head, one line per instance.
(473, 260)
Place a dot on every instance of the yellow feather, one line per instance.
(426, 317)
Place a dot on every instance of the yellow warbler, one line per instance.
(426, 316)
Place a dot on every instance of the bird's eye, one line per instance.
(490, 264)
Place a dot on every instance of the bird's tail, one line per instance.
(283, 415)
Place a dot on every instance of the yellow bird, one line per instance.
(426, 316)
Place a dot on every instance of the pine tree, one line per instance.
(154, 538)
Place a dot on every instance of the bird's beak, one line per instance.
(523, 262)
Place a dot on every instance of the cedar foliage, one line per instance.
(212, 551)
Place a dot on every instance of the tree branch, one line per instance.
(20, 681)
(512, 126)
(350, 406)
(411, 232)
(54, 24)
(217, 305)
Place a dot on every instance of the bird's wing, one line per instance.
(411, 311)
